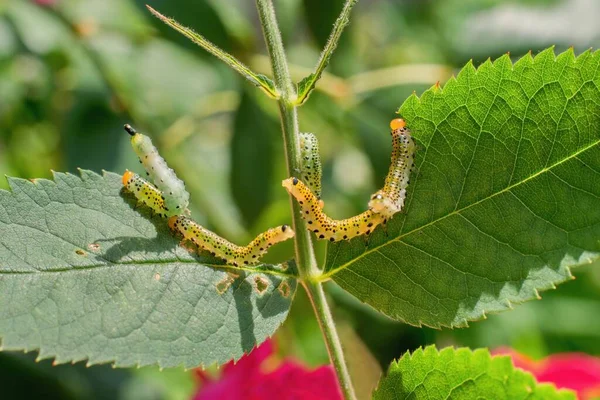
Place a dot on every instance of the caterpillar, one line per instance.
(145, 192)
(311, 163)
(322, 225)
(176, 198)
(390, 199)
(233, 254)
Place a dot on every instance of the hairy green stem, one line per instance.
(305, 256)
(332, 341)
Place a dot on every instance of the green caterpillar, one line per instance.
(322, 225)
(233, 254)
(311, 163)
(390, 199)
(176, 198)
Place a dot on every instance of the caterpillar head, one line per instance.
(136, 137)
(127, 176)
(397, 124)
(286, 232)
(293, 186)
(129, 129)
(381, 204)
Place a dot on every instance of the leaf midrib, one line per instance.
(112, 265)
(399, 238)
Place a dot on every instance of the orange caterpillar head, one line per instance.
(127, 176)
(291, 185)
(397, 123)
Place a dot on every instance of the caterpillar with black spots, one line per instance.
(145, 193)
(321, 224)
(232, 254)
(390, 199)
(311, 170)
(382, 205)
(175, 197)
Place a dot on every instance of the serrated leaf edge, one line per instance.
(427, 350)
(83, 174)
(567, 269)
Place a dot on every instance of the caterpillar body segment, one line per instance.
(322, 225)
(233, 254)
(312, 170)
(390, 199)
(176, 198)
(145, 193)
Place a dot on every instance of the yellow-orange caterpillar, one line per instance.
(176, 198)
(322, 225)
(233, 254)
(390, 199)
(145, 192)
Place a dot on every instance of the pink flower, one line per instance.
(45, 3)
(259, 375)
(576, 371)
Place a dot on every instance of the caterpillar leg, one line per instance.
(233, 254)
(145, 192)
(175, 197)
(322, 225)
(312, 169)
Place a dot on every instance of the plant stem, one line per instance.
(305, 256)
(332, 341)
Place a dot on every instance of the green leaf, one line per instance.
(86, 275)
(306, 85)
(503, 200)
(461, 374)
(260, 81)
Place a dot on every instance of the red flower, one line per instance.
(45, 2)
(259, 375)
(576, 371)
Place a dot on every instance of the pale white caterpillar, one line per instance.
(176, 198)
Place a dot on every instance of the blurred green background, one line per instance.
(72, 72)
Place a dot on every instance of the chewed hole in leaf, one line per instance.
(260, 284)
(226, 282)
(285, 289)
(93, 246)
